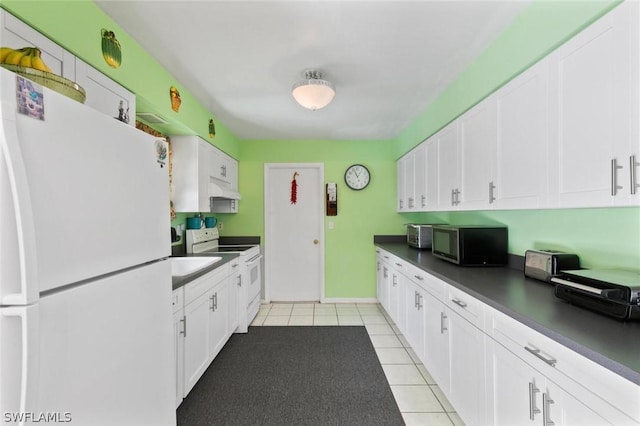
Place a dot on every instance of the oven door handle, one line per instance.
(255, 258)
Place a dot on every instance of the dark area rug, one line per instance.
(293, 376)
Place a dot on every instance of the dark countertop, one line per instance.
(611, 343)
(185, 279)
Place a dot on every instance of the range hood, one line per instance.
(217, 191)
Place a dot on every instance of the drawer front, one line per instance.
(177, 299)
(204, 283)
(579, 375)
(466, 306)
(426, 281)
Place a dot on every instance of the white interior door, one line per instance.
(294, 231)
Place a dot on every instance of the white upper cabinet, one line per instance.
(594, 92)
(478, 128)
(520, 179)
(448, 168)
(103, 94)
(565, 133)
(16, 35)
(420, 177)
(196, 166)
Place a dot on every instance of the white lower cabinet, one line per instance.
(178, 340)
(520, 395)
(414, 330)
(203, 325)
(197, 339)
(466, 369)
(436, 354)
(493, 369)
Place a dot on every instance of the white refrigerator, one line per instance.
(86, 329)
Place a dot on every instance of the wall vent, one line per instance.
(151, 118)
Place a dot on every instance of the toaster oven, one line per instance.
(419, 235)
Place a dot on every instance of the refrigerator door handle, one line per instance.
(20, 358)
(24, 254)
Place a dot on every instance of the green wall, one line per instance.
(349, 259)
(602, 237)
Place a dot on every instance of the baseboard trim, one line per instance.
(349, 300)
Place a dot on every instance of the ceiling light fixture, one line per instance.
(313, 92)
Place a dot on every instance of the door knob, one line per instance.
(315, 241)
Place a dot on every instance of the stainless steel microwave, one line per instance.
(470, 245)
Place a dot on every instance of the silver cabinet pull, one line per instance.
(536, 353)
(400, 204)
(614, 177)
(239, 280)
(453, 197)
(415, 299)
(459, 303)
(395, 280)
(443, 318)
(532, 401)
(410, 203)
(546, 401)
(492, 197)
(420, 301)
(419, 277)
(215, 302)
(457, 196)
(184, 325)
(385, 273)
(399, 265)
(423, 201)
(212, 305)
(633, 165)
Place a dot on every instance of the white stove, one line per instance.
(204, 241)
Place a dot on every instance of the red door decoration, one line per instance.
(294, 189)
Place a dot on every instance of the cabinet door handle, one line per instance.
(184, 325)
(418, 277)
(457, 196)
(546, 401)
(614, 177)
(399, 265)
(239, 280)
(443, 318)
(400, 204)
(419, 301)
(459, 303)
(410, 203)
(423, 201)
(212, 306)
(536, 353)
(395, 280)
(453, 197)
(633, 165)
(532, 401)
(215, 302)
(492, 198)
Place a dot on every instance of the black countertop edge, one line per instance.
(382, 239)
(608, 342)
(239, 241)
(178, 282)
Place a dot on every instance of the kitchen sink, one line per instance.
(181, 266)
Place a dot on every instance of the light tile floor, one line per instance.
(418, 396)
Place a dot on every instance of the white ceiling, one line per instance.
(387, 59)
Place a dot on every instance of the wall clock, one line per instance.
(357, 177)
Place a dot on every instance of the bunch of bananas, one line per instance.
(27, 57)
